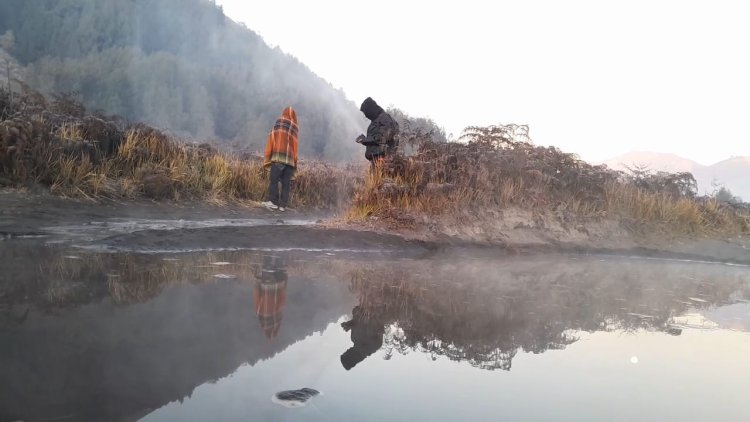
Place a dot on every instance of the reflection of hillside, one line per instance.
(141, 332)
(110, 336)
(51, 278)
(484, 312)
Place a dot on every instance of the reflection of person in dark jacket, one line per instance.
(270, 295)
(382, 133)
(367, 336)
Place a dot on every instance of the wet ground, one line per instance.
(165, 319)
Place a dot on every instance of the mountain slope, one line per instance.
(653, 160)
(733, 173)
(181, 65)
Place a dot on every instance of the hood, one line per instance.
(370, 108)
(289, 114)
(351, 358)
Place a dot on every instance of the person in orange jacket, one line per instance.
(281, 159)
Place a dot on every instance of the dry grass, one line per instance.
(99, 157)
(498, 168)
(686, 215)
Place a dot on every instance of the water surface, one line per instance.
(212, 335)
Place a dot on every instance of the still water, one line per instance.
(206, 336)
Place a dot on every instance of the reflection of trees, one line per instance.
(51, 278)
(484, 313)
(479, 311)
(106, 357)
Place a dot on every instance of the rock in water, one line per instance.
(294, 398)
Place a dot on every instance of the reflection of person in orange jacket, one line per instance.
(367, 336)
(270, 295)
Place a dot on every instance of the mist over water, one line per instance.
(215, 334)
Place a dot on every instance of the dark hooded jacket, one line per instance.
(382, 134)
(367, 336)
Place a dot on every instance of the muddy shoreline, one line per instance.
(164, 227)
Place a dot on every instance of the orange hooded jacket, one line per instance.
(283, 143)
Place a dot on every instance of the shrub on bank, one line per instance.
(498, 167)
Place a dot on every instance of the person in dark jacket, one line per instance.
(382, 133)
(367, 336)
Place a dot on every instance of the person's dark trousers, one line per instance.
(280, 173)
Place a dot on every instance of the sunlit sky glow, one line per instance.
(598, 78)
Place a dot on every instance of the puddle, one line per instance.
(212, 335)
(101, 229)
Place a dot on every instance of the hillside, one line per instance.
(181, 65)
(733, 173)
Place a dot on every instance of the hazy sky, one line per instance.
(598, 78)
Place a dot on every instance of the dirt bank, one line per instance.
(175, 227)
(23, 213)
(523, 231)
(181, 226)
(278, 237)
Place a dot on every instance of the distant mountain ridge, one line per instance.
(732, 173)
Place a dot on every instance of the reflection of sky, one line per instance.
(699, 375)
(732, 317)
(175, 335)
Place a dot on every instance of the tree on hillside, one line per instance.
(180, 65)
(10, 70)
(413, 130)
(681, 184)
(724, 195)
(501, 136)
